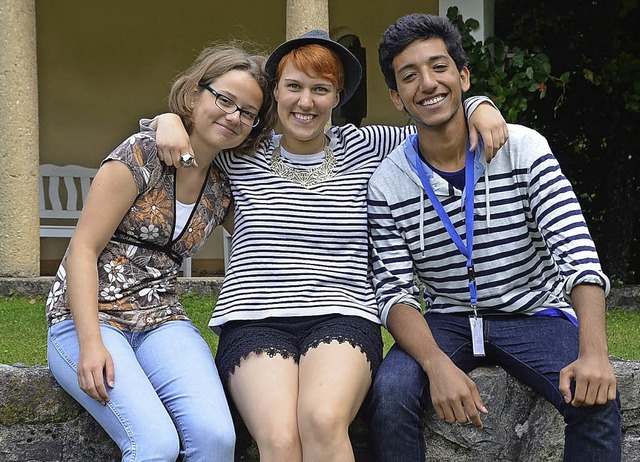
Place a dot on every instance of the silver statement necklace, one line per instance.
(305, 177)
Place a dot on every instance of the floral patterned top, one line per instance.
(137, 270)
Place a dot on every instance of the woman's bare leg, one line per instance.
(265, 392)
(334, 380)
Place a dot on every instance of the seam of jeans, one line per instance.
(545, 379)
(74, 366)
(61, 352)
(132, 441)
(454, 352)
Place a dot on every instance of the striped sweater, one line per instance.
(300, 251)
(531, 243)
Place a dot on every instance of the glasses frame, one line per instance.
(237, 109)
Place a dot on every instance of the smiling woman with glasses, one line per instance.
(114, 314)
(230, 106)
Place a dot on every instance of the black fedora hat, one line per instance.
(352, 68)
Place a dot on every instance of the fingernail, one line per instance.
(111, 383)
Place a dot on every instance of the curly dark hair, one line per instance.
(410, 28)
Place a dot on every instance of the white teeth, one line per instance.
(429, 102)
(303, 117)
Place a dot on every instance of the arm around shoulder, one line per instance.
(172, 139)
(485, 123)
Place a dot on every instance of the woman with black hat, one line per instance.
(299, 331)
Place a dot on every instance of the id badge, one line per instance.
(477, 335)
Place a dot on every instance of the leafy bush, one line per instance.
(511, 76)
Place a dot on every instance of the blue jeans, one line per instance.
(532, 349)
(167, 399)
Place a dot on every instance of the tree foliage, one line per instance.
(512, 76)
(590, 112)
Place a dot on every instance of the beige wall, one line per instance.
(104, 64)
(368, 19)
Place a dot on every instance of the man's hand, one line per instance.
(487, 122)
(595, 381)
(454, 395)
(592, 371)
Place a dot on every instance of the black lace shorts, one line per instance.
(293, 337)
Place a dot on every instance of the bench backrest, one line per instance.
(59, 187)
(59, 199)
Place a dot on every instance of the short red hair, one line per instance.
(317, 60)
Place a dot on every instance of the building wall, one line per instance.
(368, 19)
(104, 64)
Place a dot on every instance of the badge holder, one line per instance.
(475, 321)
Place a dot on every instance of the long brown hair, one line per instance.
(213, 62)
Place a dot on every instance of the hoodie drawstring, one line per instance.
(487, 202)
(422, 193)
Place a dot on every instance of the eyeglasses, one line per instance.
(229, 106)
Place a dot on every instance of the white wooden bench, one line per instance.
(56, 183)
(63, 190)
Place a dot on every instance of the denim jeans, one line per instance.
(167, 399)
(532, 349)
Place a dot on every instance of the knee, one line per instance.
(212, 444)
(279, 444)
(209, 439)
(323, 424)
(168, 450)
(393, 390)
(163, 446)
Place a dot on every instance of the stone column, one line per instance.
(19, 158)
(306, 15)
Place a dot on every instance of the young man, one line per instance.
(509, 269)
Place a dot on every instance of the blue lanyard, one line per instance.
(466, 250)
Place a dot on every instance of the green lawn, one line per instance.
(23, 329)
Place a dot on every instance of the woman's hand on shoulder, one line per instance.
(172, 139)
(488, 123)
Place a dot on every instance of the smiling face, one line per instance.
(305, 103)
(430, 87)
(214, 129)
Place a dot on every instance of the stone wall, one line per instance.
(39, 422)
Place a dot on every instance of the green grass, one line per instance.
(623, 333)
(23, 329)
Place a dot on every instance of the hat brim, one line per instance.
(351, 65)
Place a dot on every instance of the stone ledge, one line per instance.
(39, 422)
(30, 287)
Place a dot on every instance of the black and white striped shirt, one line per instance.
(300, 251)
(528, 256)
